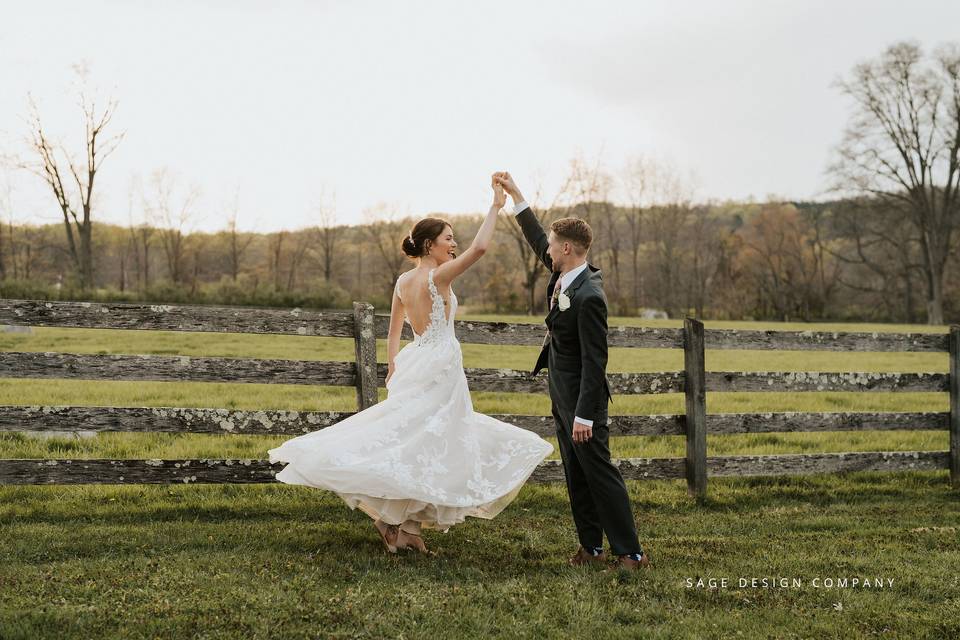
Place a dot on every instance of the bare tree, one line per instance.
(707, 241)
(172, 207)
(590, 191)
(198, 244)
(56, 167)
(385, 228)
(275, 245)
(636, 182)
(881, 250)
(24, 249)
(828, 270)
(902, 146)
(785, 264)
(141, 234)
(658, 209)
(237, 244)
(667, 231)
(295, 258)
(329, 234)
(303, 239)
(6, 212)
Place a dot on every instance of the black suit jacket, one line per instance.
(575, 350)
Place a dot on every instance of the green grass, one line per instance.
(276, 561)
(266, 561)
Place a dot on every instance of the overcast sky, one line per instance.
(409, 106)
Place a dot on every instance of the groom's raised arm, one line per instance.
(529, 224)
(533, 232)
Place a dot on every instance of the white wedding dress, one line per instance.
(422, 454)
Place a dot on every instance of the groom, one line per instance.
(575, 354)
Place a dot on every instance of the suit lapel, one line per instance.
(569, 291)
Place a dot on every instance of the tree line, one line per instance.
(884, 248)
(771, 260)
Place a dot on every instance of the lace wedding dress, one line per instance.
(423, 453)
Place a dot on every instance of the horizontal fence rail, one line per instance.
(280, 422)
(167, 317)
(100, 471)
(333, 373)
(220, 319)
(265, 371)
(755, 381)
(366, 375)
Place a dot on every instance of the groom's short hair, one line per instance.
(574, 230)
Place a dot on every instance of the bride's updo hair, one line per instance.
(416, 244)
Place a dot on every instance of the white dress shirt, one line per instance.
(565, 281)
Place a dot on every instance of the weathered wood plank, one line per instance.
(695, 397)
(510, 380)
(514, 381)
(260, 422)
(672, 337)
(955, 406)
(175, 368)
(212, 369)
(220, 471)
(293, 423)
(785, 422)
(531, 334)
(317, 372)
(225, 319)
(824, 381)
(648, 425)
(166, 420)
(550, 471)
(365, 355)
(823, 340)
(166, 317)
(100, 471)
(811, 463)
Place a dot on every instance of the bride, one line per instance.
(422, 458)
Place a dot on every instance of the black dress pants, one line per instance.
(598, 495)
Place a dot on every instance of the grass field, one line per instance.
(275, 561)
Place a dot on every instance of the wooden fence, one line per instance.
(366, 374)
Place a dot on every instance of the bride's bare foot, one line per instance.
(410, 541)
(388, 533)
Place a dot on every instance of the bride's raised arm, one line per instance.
(449, 271)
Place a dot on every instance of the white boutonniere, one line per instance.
(563, 302)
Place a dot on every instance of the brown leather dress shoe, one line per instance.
(584, 558)
(629, 564)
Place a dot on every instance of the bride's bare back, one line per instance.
(415, 296)
(435, 251)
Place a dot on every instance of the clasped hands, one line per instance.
(503, 184)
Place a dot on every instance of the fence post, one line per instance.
(365, 343)
(955, 406)
(696, 407)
